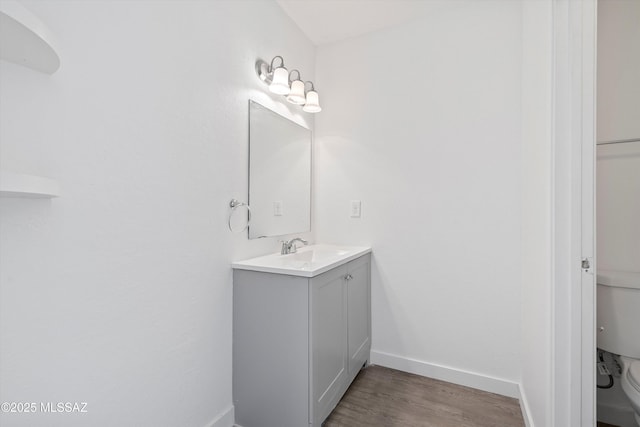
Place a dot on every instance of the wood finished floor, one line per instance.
(383, 397)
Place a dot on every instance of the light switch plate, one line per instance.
(356, 208)
(277, 208)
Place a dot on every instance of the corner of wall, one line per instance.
(524, 407)
(225, 419)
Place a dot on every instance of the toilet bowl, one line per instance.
(630, 381)
(618, 305)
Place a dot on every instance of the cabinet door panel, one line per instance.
(328, 343)
(270, 349)
(358, 298)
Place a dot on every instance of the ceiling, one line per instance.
(327, 21)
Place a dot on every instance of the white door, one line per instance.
(587, 297)
(573, 376)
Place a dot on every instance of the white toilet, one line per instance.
(619, 327)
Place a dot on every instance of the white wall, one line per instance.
(618, 69)
(536, 210)
(118, 293)
(618, 118)
(422, 124)
(618, 207)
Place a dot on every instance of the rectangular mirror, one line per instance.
(279, 174)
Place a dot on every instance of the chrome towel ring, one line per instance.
(234, 204)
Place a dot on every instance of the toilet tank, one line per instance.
(618, 321)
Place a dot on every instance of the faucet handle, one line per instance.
(284, 249)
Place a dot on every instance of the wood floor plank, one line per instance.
(383, 397)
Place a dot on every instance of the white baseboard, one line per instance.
(445, 373)
(225, 419)
(524, 407)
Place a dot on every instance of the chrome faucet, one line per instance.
(290, 246)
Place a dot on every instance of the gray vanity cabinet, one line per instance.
(328, 341)
(358, 314)
(298, 343)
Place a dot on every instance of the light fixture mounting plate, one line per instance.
(262, 69)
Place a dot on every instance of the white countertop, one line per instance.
(308, 261)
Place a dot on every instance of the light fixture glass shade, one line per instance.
(312, 105)
(280, 83)
(296, 96)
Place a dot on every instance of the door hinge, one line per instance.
(587, 265)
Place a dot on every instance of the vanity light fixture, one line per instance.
(279, 78)
(312, 103)
(296, 95)
(289, 84)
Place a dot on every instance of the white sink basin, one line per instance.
(308, 261)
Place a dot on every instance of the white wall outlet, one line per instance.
(356, 208)
(277, 208)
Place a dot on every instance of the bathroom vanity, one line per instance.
(301, 333)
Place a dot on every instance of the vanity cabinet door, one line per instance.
(359, 313)
(328, 343)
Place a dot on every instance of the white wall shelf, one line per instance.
(27, 186)
(25, 40)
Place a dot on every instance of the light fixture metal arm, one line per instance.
(311, 83)
(291, 78)
(274, 58)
